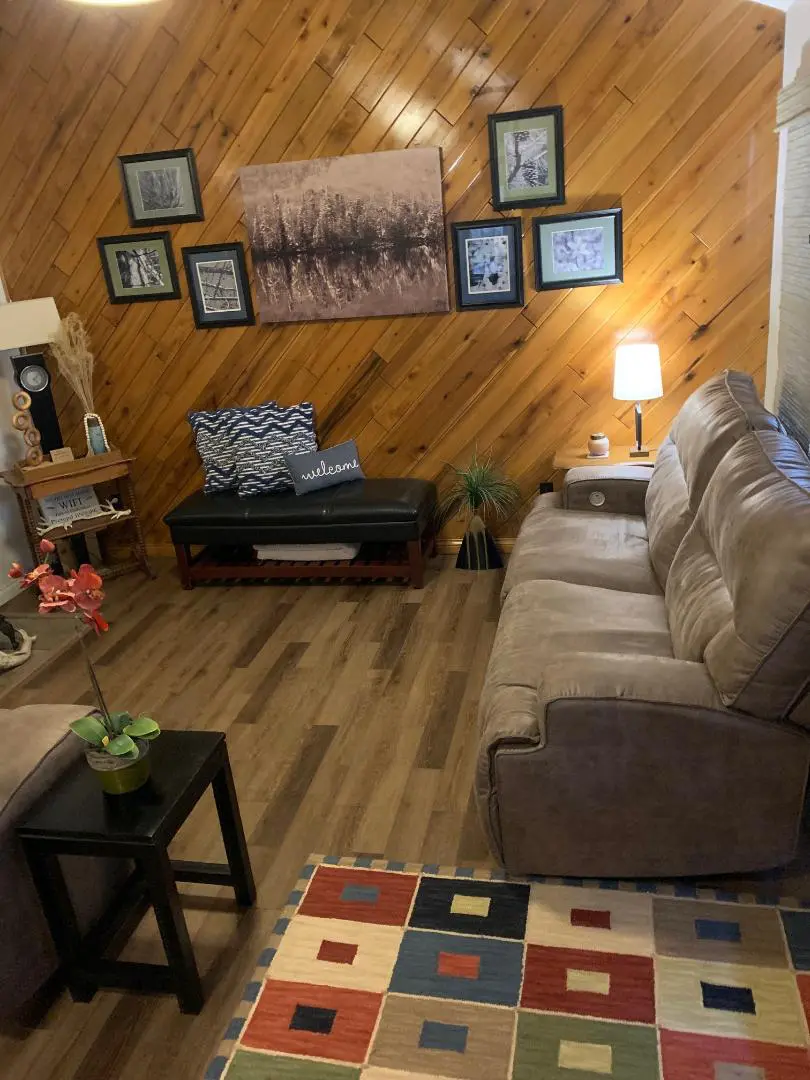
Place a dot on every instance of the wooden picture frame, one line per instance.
(538, 181)
(562, 261)
(149, 273)
(212, 300)
(475, 287)
(167, 194)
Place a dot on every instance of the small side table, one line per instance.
(30, 483)
(571, 457)
(76, 818)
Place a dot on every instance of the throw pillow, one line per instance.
(262, 443)
(215, 444)
(325, 468)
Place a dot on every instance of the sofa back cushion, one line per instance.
(709, 423)
(738, 594)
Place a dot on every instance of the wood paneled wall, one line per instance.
(669, 112)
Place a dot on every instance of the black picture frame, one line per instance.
(498, 120)
(512, 229)
(116, 288)
(127, 164)
(206, 320)
(545, 281)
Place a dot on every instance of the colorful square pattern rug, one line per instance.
(395, 971)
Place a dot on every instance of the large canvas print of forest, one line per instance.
(348, 237)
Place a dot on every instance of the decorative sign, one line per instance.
(61, 454)
(69, 506)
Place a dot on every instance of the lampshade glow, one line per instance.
(637, 372)
(28, 322)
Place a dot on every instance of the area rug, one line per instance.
(397, 971)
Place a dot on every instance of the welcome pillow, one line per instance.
(213, 434)
(262, 443)
(323, 469)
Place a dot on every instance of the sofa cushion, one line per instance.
(667, 509)
(544, 620)
(711, 421)
(609, 551)
(756, 519)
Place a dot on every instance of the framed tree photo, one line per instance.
(526, 158)
(488, 259)
(218, 286)
(161, 188)
(574, 250)
(139, 267)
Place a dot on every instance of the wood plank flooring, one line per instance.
(351, 720)
(350, 713)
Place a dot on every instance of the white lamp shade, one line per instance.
(28, 322)
(637, 372)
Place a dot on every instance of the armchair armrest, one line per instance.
(607, 489)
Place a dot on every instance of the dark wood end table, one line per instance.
(76, 818)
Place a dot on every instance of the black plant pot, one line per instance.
(478, 549)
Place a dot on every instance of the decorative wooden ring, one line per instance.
(32, 437)
(21, 400)
(34, 456)
(21, 420)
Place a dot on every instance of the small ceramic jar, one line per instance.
(598, 445)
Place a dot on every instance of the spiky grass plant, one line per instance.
(479, 490)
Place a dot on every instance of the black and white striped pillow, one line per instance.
(262, 443)
(213, 434)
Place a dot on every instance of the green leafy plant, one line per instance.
(480, 490)
(115, 732)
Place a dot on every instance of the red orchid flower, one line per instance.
(47, 547)
(34, 575)
(17, 570)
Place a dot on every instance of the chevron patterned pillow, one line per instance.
(262, 441)
(213, 434)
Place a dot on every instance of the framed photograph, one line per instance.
(572, 250)
(139, 267)
(488, 257)
(218, 286)
(526, 158)
(161, 188)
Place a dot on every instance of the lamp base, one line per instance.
(640, 451)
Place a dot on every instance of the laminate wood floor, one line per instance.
(350, 713)
(351, 720)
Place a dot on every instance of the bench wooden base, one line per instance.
(397, 562)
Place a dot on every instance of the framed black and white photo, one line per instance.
(139, 267)
(218, 286)
(526, 158)
(572, 250)
(488, 258)
(161, 188)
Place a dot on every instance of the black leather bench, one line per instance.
(393, 520)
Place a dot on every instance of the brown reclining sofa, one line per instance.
(646, 709)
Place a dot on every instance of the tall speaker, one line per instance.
(32, 375)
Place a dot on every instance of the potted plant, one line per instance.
(118, 750)
(478, 491)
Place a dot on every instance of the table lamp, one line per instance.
(637, 377)
(24, 324)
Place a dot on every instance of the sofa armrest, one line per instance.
(607, 489)
(629, 766)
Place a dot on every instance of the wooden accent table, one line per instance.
(75, 817)
(54, 478)
(571, 457)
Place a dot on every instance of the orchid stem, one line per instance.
(92, 672)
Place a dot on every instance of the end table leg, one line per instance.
(233, 835)
(46, 870)
(184, 565)
(171, 922)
